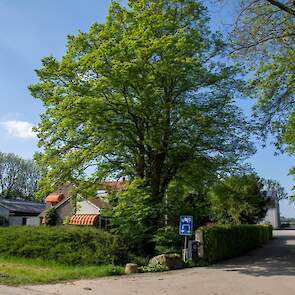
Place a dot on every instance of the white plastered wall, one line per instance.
(85, 207)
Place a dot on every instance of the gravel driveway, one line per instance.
(269, 270)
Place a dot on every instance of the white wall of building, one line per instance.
(273, 211)
(85, 207)
(23, 220)
(273, 217)
(33, 221)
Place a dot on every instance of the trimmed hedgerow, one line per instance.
(226, 241)
(64, 244)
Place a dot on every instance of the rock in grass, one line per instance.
(168, 261)
(131, 268)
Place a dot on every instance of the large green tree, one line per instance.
(140, 96)
(263, 39)
(237, 199)
(18, 177)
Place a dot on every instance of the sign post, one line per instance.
(185, 229)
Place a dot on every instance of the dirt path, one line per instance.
(269, 270)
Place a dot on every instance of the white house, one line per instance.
(80, 211)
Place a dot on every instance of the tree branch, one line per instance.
(282, 6)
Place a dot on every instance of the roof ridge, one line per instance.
(20, 200)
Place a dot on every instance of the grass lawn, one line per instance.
(19, 271)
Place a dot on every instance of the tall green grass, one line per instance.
(24, 271)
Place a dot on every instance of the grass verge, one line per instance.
(19, 271)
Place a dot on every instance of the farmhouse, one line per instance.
(20, 212)
(80, 211)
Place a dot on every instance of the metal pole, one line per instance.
(185, 250)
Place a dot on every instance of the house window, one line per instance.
(24, 221)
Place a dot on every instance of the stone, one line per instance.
(169, 261)
(131, 268)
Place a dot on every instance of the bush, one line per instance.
(226, 241)
(168, 240)
(131, 216)
(66, 245)
(51, 216)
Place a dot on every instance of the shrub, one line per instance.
(66, 245)
(66, 220)
(51, 216)
(226, 241)
(131, 216)
(168, 240)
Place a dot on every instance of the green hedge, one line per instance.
(226, 241)
(64, 244)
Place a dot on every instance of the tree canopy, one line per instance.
(263, 36)
(142, 96)
(237, 199)
(139, 96)
(18, 177)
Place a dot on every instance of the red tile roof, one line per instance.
(54, 198)
(84, 219)
(115, 185)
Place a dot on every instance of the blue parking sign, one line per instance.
(186, 225)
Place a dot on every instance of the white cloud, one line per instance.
(20, 129)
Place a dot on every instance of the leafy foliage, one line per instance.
(65, 245)
(168, 240)
(18, 177)
(221, 242)
(131, 215)
(187, 193)
(51, 216)
(139, 96)
(263, 35)
(237, 199)
(142, 96)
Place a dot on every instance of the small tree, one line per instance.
(130, 215)
(50, 216)
(18, 177)
(237, 200)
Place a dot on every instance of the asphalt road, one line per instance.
(269, 270)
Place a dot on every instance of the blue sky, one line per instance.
(32, 29)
